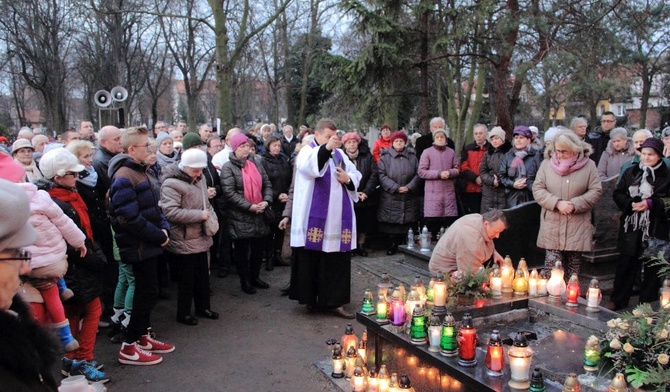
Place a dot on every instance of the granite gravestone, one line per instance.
(520, 238)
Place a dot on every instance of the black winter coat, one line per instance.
(369, 183)
(630, 242)
(84, 275)
(398, 169)
(30, 354)
(493, 197)
(517, 196)
(96, 201)
(280, 173)
(242, 223)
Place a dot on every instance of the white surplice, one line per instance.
(307, 170)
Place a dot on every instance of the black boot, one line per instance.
(256, 282)
(278, 261)
(269, 262)
(360, 250)
(393, 249)
(247, 286)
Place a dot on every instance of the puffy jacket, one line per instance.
(630, 241)
(611, 161)
(493, 197)
(515, 196)
(137, 219)
(53, 227)
(471, 159)
(380, 144)
(582, 187)
(398, 169)
(242, 223)
(182, 202)
(440, 195)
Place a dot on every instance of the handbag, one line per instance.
(211, 226)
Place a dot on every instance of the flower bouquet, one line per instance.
(637, 345)
(475, 285)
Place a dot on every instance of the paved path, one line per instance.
(262, 342)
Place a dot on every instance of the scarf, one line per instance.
(88, 177)
(164, 160)
(251, 179)
(517, 169)
(74, 199)
(564, 167)
(642, 189)
(32, 172)
(353, 157)
(440, 148)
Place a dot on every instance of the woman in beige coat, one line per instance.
(567, 187)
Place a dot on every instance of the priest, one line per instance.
(323, 223)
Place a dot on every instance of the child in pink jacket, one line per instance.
(49, 260)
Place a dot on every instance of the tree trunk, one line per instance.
(224, 72)
(646, 90)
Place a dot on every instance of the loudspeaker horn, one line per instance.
(103, 98)
(119, 94)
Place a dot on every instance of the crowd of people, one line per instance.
(121, 212)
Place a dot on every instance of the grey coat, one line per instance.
(493, 197)
(182, 204)
(398, 169)
(242, 223)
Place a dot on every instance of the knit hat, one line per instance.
(177, 145)
(665, 132)
(10, 169)
(21, 143)
(191, 139)
(550, 134)
(497, 131)
(15, 230)
(58, 162)
(441, 130)
(619, 132)
(654, 144)
(398, 135)
(523, 131)
(534, 130)
(351, 136)
(193, 158)
(237, 140)
(3, 139)
(162, 136)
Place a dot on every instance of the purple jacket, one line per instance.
(440, 195)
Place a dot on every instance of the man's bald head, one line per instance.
(110, 139)
(25, 133)
(232, 132)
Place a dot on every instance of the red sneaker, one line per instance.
(152, 345)
(132, 354)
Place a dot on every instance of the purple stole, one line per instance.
(318, 211)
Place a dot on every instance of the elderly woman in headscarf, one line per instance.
(567, 187)
(247, 192)
(640, 195)
(619, 150)
(365, 207)
(22, 152)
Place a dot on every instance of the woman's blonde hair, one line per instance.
(77, 147)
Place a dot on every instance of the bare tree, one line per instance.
(190, 42)
(39, 35)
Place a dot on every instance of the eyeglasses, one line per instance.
(607, 121)
(21, 255)
(562, 152)
(73, 174)
(146, 145)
